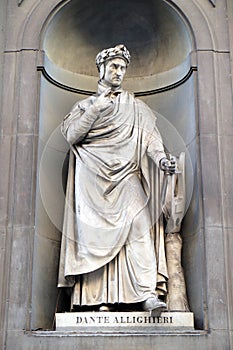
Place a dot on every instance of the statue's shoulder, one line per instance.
(131, 97)
(142, 104)
(145, 110)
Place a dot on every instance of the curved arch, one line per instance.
(155, 34)
(193, 14)
(204, 37)
(44, 11)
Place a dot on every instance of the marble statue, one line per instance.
(113, 249)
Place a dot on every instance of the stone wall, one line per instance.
(23, 293)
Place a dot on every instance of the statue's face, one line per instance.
(114, 72)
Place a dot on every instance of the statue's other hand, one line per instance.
(168, 165)
(103, 101)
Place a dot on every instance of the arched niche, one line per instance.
(161, 74)
(159, 40)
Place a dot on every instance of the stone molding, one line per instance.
(55, 82)
(213, 2)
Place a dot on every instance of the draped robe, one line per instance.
(112, 247)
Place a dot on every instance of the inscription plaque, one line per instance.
(122, 321)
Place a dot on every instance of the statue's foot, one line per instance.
(106, 308)
(154, 305)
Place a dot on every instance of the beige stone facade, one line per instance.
(183, 62)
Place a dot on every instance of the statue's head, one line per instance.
(112, 64)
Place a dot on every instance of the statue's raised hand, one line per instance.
(104, 102)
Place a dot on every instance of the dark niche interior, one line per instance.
(153, 31)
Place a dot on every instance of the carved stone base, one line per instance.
(102, 322)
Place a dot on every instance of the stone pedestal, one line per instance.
(128, 322)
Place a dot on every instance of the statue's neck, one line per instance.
(102, 86)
